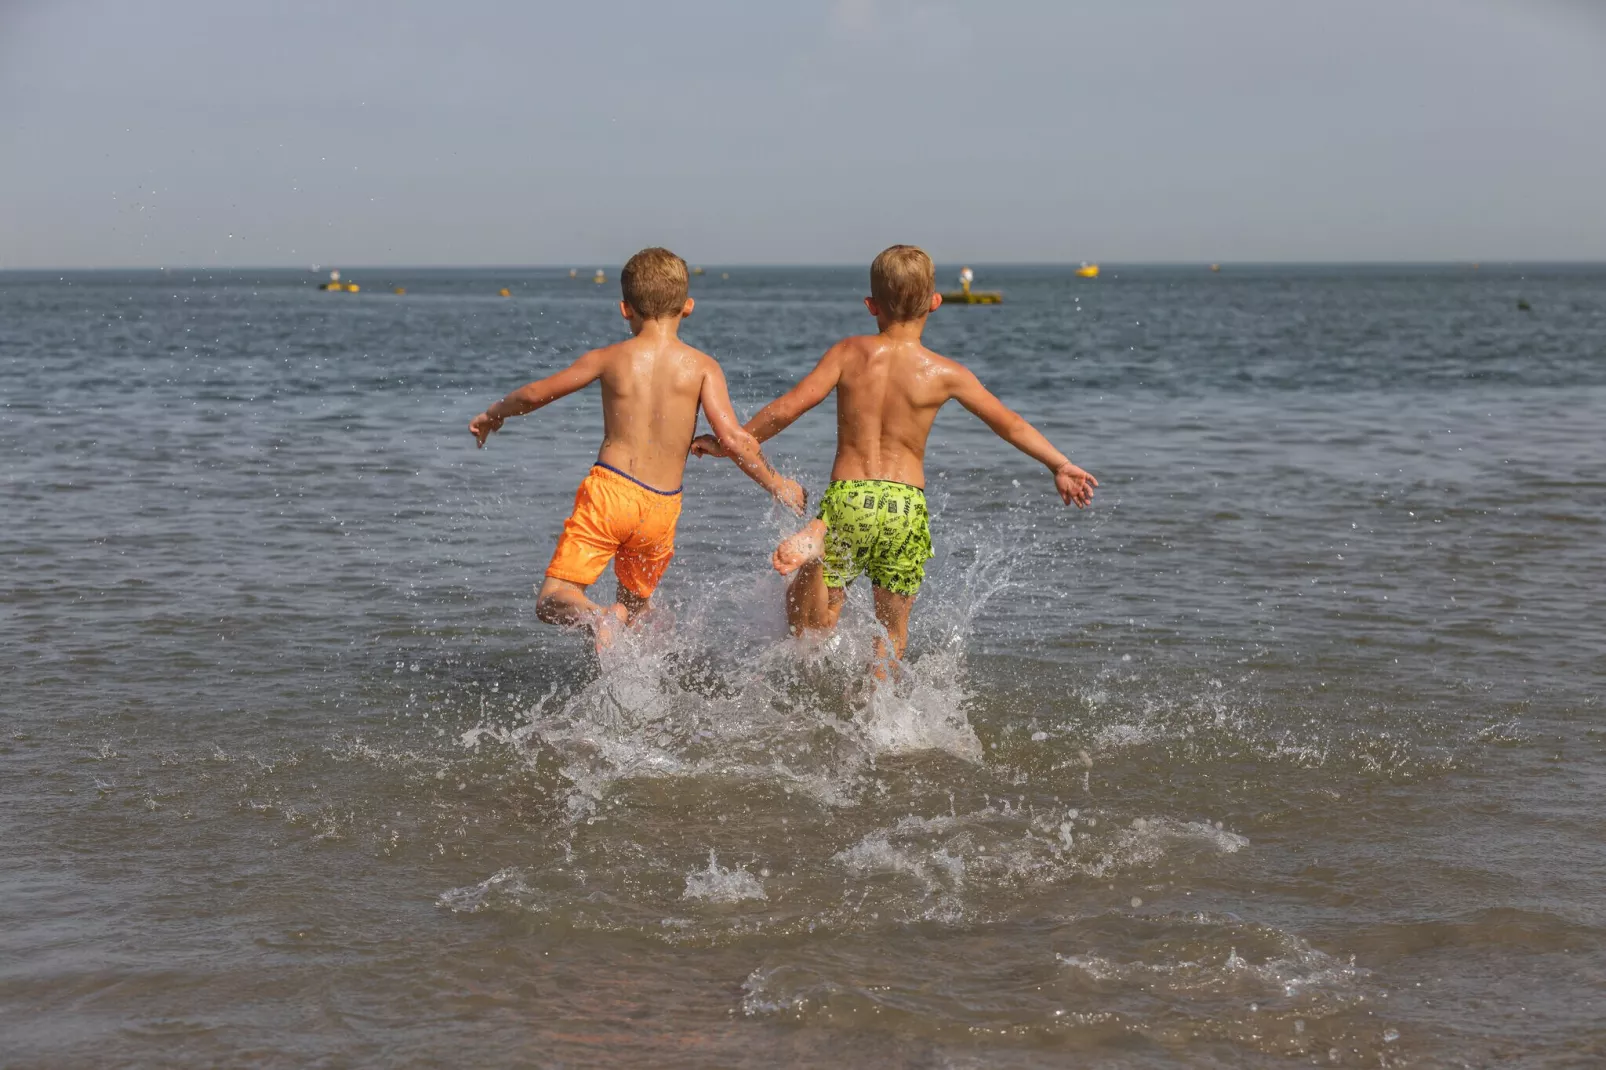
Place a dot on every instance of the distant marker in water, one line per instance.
(966, 296)
(1523, 305)
(504, 292)
(334, 285)
(573, 274)
(599, 277)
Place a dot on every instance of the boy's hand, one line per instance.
(482, 426)
(707, 446)
(1074, 485)
(791, 494)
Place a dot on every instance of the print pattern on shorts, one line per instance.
(879, 529)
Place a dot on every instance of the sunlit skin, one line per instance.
(653, 385)
(889, 388)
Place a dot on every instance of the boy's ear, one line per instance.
(936, 301)
(875, 309)
(626, 311)
(685, 310)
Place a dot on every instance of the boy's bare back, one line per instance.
(888, 393)
(889, 388)
(651, 391)
(653, 385)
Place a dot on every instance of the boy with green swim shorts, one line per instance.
(873, 519)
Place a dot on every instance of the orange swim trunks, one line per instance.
(619, 517)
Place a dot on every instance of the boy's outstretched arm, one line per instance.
(779, 414)
(737, 443)
(532, 396)
(1073, 484)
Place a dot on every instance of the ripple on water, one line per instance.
(1170, 979)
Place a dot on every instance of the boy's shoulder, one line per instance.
(632, 348)
(870, 343)
(695, 357)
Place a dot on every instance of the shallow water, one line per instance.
(1287, 752)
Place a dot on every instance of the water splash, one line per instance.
(719, 885)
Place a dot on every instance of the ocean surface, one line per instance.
(1289, 751)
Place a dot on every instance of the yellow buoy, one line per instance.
(504, 292)
(399, 290)
(724, 274)
(1215, 267)
(599, 277)
(573, 274)
(697, 271)
(352, 287)
(1087, 271)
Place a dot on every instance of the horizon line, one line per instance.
(567, 266)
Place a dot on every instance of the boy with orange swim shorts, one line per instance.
(626, 509)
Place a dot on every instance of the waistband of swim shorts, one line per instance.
(637, 482)
(876, 483)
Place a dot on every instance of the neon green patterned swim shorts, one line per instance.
(876, 528)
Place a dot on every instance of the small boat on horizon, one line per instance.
(966, 296)
(334, 285)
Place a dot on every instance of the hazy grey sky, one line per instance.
(179, 132)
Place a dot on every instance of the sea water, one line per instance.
(1286, 752)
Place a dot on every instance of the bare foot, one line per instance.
(609, 625)
(798, 550)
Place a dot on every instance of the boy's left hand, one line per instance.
(707, 446)
(1074, 485)
(482, 426)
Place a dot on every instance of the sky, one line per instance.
(511, 132)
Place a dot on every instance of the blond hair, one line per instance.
(902, 280)
(654, 283)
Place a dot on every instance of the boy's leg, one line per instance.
(810, 604)
(892, 610)
(565, 602)
(632, 603)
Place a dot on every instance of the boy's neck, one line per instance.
(902, 330)
(660, 328)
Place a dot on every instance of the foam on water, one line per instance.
(717, 884)
(830, 772)
(680, 698)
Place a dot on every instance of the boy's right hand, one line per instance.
(1074, 485)
(482, 426)
(792, 495)
(707, 446)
